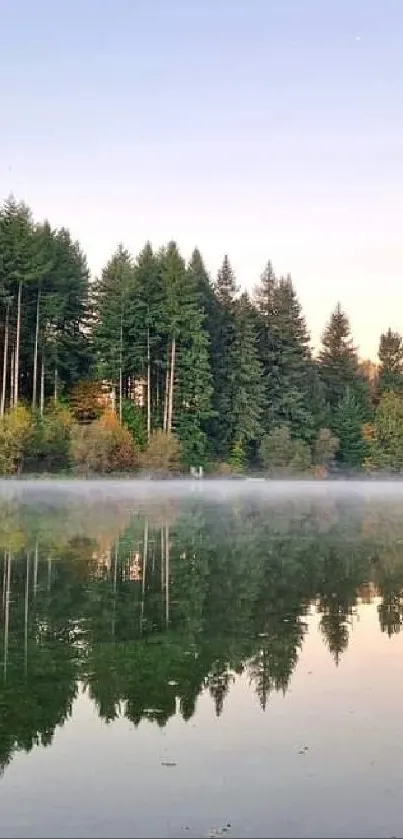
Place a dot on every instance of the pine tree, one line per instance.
(187, 373)
(226, 288)
(112, 329)
(285, 356)
(338, 359)
(194, 380)
(390, 356)
(347, 425)
(220, 429)
(64, 349)
(147, 344)
(245, 374)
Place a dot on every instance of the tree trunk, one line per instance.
(17, 346)
(148, 386)
(35, 373)
(171, 386)
(42, 402)
(55, 385)
(5, 359)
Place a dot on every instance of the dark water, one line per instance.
(196, 661)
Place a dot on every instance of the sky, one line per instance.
(264, 129)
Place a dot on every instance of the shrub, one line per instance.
(301, 460)
(86, 401)
(276, 449)
(325, 448)
(103, 446)
(50, 445)
(16, 433)
(163, 453)
(237, 459)
(133, 419)
(279, 452)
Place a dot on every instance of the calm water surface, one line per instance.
(190, 660)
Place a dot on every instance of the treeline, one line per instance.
(153, 363)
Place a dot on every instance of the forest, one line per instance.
(155, 366)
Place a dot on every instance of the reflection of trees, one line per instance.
(149, 611)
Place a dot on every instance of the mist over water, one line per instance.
(201, 658)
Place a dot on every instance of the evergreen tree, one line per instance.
(147, 340)
(220, 428)
(390, 355)
(187, 374)
(194, 380)
(347, 425)
(338, 359)
(245, 374)
(285, 356)
(112, 329)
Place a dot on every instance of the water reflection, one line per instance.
(148, 606)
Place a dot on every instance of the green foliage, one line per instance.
(279, 452)
(285, 357)
(170, 351)
(16, 433)
(390, 353)
(386, 445)
(245, 375)
(49, 447)
(348, 427)
(237, 461)
(133, 419)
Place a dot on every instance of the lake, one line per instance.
(201, 659)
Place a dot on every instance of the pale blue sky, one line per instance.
(264, 128)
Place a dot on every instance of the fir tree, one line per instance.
(348, 426)
(285, 356)
(390, 356)
(338, 359)
(246, 378)
(220, 428)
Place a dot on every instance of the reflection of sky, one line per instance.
(243, 768)
(264, 128)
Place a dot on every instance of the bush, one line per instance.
(16, 434)
(276, 449)
(50, 445)
(279, 452)
(163, 453)
(86, 401)
(237, 460)
(301, 460)
(133, 419)
(325, 448)
(103, 446)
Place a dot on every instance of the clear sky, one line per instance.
(261, 128)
